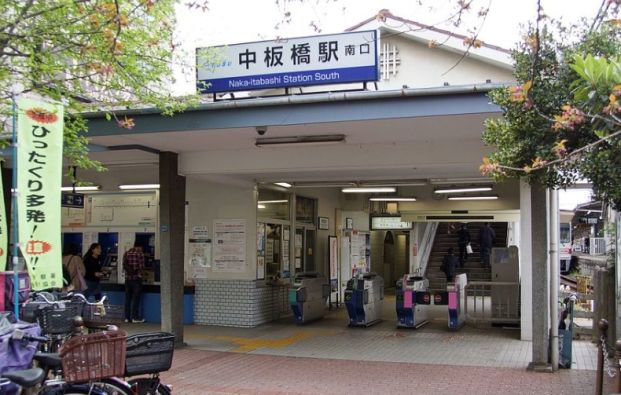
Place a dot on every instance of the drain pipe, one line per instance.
(554, 275)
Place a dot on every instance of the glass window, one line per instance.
(273, 204)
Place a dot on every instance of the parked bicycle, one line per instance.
(18, 338)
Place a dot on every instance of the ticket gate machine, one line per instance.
(364, 297)
(308, 297)
(457, 301)
(412, 300)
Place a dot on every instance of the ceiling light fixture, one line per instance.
(490, 197)
(260, 206)
(139, 186)
(321, 139)
(272, 201)
(283, 184)
(455, 181)
(464, 189)
(86, 188)
(370, 190)
(392, 199)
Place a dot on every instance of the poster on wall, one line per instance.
(260, 268)
(333, 260)
(229, 249)
(200, 257)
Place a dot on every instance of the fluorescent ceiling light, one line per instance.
(283, 184)
(388, 183)
(393, 199)
(492, 197)
(369, 190)
(260, 206)
(81, 188)
(272, 201)
(464, 189)
(139, 186)
(300, 140)
(454, 181)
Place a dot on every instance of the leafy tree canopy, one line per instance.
(561, 122)
(90, 54)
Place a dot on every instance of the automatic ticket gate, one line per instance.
(364, 297)
(412, 300)
(456, 301)
(308, 297)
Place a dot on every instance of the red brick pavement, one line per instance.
(210, 372)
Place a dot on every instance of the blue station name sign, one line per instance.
(302, 61)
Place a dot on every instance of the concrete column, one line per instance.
(540, 276)
(172, 217)
(526, 267)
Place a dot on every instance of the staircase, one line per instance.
(473, 268)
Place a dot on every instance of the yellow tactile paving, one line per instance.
(249, 344)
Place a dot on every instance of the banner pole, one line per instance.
(14, 212)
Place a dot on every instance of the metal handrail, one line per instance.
(428, 238)
(474, 290)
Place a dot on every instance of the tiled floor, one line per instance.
(327, 357)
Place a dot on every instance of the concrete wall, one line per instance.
(209, 200)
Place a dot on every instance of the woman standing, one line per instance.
(72, 262)
(93, 265)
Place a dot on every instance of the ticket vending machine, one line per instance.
(412, 301)
(364, 297)
(308, 296)
(456, 292)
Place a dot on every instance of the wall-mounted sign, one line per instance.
(389, 223)
(302, 61)
(75, 200)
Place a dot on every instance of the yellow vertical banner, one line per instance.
(4, 231)
(39, 177)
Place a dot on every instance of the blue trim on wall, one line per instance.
(289, 79)
(335, 111)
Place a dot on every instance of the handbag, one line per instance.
(80, 277)
(469, 249)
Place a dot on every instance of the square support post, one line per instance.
(172, 231)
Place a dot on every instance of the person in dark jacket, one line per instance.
(449, 265)
(93, 265)
(463, 238)
(486, 237)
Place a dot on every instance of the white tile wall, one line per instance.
(238, 303)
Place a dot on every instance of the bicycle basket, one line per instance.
(149, 353)
(94, 356)
(56, 320)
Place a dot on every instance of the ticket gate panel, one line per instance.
(308, 297)
(456, 299)
(412, 300)
(364, 298)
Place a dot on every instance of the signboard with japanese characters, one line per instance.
(302, 61)
(39, 174)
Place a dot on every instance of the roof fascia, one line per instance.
(449, 42)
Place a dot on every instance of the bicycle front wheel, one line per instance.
(114, 387)
(72, 389)
(148, 386)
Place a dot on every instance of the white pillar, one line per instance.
(554, 274)
(525, 252)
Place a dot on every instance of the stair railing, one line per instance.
(427, 244)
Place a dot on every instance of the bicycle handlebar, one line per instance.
(67, 298)
(19, 334)
(83, 298)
